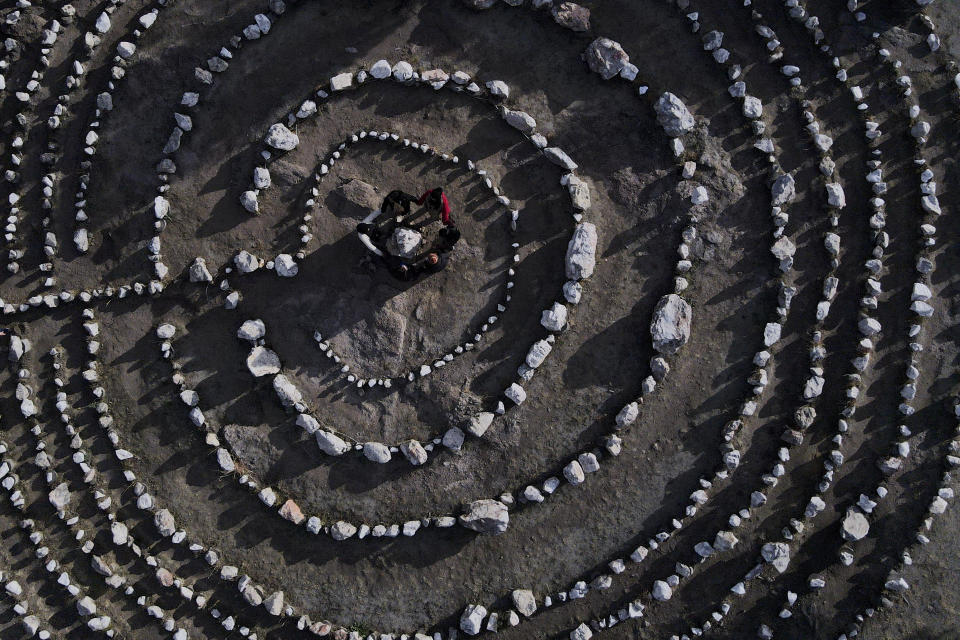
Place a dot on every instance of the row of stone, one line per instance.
(675, 117)
(56, 121)
(183, 124)
(813, 387)
(125, 50)
(18, 139)
(783, 250)
(121, 534)
(165, 522)
(856, 521)
(670, 330)
(60, 497)
(30, 622)
(73, 592)
(485, 516)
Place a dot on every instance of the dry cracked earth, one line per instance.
(690, 372)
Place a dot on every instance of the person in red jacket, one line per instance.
(437, 204)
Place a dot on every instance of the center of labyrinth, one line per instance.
(684, 369)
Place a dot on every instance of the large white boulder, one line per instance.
(670, 327)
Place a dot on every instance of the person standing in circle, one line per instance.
(437, 205)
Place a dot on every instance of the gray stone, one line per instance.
(404, 242)
(342, 530)
(471, 621)
(165, 523)
(341, 82)
(784, 190)
(381, 69)
(572, 16)
(662, 591)
(331, 444)
(855, 526)
(285, 266)
(538, 353)
(520, 120)
(252, 330)
(480, 423)
(524, 602)
(835, 195)
(261, 178)
(376, 452)
(554, 318)
(559, 157)
(60, 496)
(402, 71)
(246, 262)
(582, 632)
(86, 606)
(199, 271)
(573, 472)
(486, 516)
(281, 138)
(119, 533)
(414, 452)
(252, 596)
(263, 362)
(777, 554)
(274, 603)
(581, 258)
(725, 541)
(606, 57)
(286, 391)
(31, 624)
(499, 88)
(81, 239)
(752, 107)
(783, 248)
(673, 115)
(670, 327)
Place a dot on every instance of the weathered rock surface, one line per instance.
(486, 516)
(673, 115)
(670, 328)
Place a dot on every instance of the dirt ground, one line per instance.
(385, 328)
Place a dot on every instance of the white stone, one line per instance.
(486, 516)
(670, 327)
(281, 138)
(262, 362)
(555, 318)
(855, 526)
(673, 115)
(252, 330)
(581, 258)
(471, 621)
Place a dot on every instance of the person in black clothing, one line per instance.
(393, 213)
(432, 262)
(397, 203)
(448, 238)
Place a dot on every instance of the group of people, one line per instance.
(395, 221)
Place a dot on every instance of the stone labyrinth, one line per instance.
(691, 371)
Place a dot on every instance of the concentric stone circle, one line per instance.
(840, 377)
